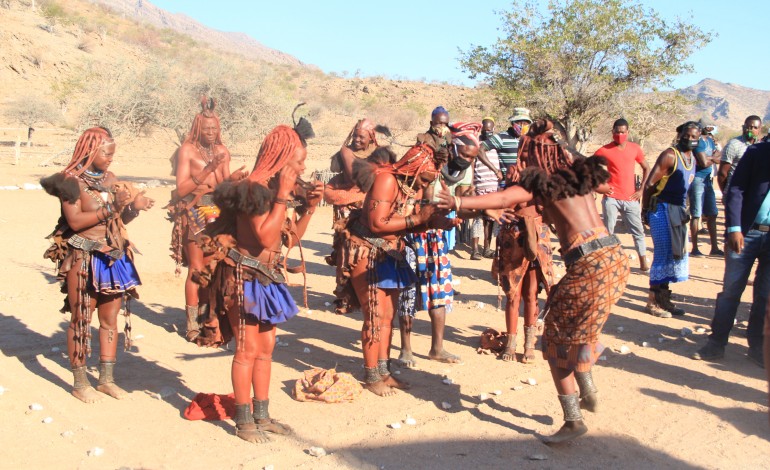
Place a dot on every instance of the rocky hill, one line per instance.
(728, 104)
(147, 13)
(59, 56)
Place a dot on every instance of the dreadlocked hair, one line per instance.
(85, 150)
(579, 179)
(245, 197)
(277, 149)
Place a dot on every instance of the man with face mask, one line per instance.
(507, 143)
(703, 201)
(735, 149)
(623, 198)
(663, 200)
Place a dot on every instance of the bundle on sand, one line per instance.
(328, 386)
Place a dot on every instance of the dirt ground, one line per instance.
(659, 409)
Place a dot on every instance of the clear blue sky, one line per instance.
(420, 39)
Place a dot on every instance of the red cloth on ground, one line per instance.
(211, 407)
(621, 165)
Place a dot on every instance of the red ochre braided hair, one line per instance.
(276, 150)
(551, 171)
(86, 148)
(279, 147)
(64, 184)
(207, 112)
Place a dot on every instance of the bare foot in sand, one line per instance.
(444, 356)
(380, 388)
(112, 390)
(249, 432)
(406, 359)
(393, 382)
(87, 395)
(273, 426)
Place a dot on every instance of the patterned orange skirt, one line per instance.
(579, 306)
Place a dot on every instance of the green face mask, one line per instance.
(750, 135)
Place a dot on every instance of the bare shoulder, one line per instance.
(187, 150)
(222, 148)
(666, 157)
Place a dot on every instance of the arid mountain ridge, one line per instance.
(726, 103)
(247, 46)
(34, 59)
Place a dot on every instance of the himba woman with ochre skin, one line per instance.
(371, 269)
(341, 191)
(202, 162)
(248, 289)
(94, 256)
(597, 268)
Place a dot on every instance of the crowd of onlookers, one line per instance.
(676, 199)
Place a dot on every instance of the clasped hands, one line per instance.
(449, 202)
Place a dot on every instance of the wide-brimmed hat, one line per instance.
(706, 122)
(520, 114)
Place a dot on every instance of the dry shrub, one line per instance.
(31, 109)
(85, 44)
(37, 56)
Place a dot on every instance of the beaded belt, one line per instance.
(86, 244)
(248, 261)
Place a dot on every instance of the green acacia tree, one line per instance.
(573, 61)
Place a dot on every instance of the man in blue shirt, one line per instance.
(703, 201)
(747, 216)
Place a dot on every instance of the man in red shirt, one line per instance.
(625, 194)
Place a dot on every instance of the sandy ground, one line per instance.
(660, 409)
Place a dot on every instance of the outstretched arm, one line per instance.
(500, 200)
(379, 202)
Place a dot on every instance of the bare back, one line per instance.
(572, 216)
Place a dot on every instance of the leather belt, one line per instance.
(358, 229)
(589, 247)
(246, 260)
(86, 244)
(760, 227)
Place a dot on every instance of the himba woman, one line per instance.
(94, 256)
(341, 191)
(248, 288)
(597, 268)
(202, 162)
(522, 264)
(371, 269)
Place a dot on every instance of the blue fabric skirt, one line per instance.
(664, 267)
(434, 270)
(268, 304)
(120, 277)
(394, 274)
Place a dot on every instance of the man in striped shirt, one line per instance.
(507, 143)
